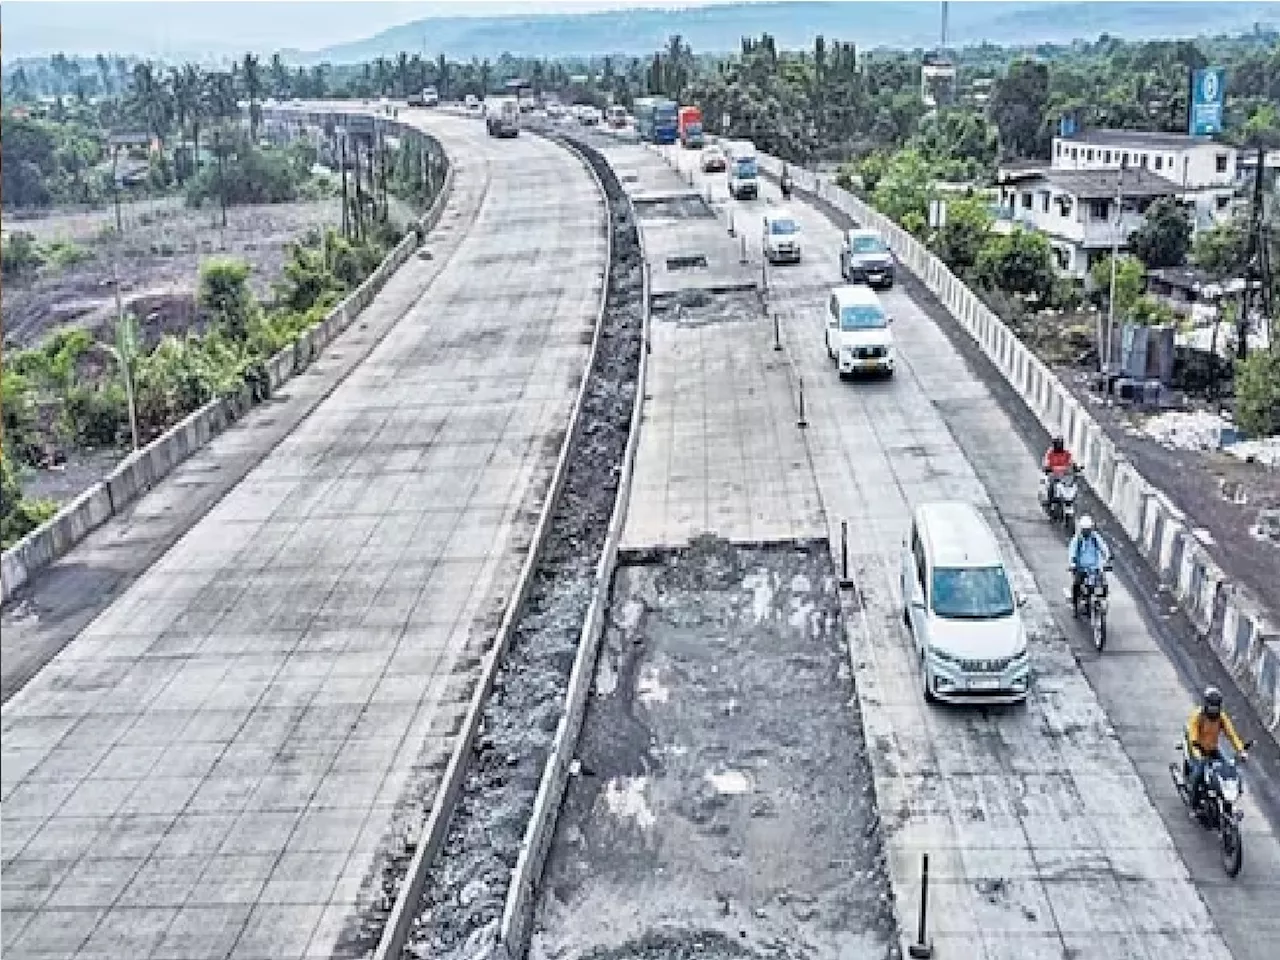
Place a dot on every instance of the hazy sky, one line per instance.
(163, 26)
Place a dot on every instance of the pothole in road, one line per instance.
(688, 206)
(689, 262)
(696, 308)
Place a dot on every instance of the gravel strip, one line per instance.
(466, 887)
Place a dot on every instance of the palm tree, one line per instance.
(402, 73)
(381, 75)
(190, 105)
(279, 77)
(442, 76)
(486, 77)
(251, 78)
(151, 100)
(104, 73)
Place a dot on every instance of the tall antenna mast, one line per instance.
(942, 48)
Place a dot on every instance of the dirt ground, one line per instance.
(1225, 498)
(158, 261)
(1233, 504)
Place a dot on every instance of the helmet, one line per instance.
(1085, 524)
(1058, 444)
(1212, 701)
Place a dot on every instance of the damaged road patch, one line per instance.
(723, 805)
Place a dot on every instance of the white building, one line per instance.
(1076, 209)
(1203, 170)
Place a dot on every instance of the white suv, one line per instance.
(961, 608)
(858, 336)
(781, 238)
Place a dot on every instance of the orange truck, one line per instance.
(689, 127)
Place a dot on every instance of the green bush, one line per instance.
(97, 414)
(225, 296)
(65, 253)
(18, 515)
(250, 175)
(1258, 393)
(20, 256)
(18, 405)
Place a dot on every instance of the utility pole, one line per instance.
(355, 176)
(346, 211)
(222, 179)
(1257, 266)
(382, 153)
(115, 188)
(1115, 256)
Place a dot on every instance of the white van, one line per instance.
(858, 336)
(781, 238)
(744, 171)
(961, 609)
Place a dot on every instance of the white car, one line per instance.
(857, 331)
(961, 609)
(781, 237)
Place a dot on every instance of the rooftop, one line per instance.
(1099, 184)
(958, 534)
(1137, 138)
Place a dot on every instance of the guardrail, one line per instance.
(517, 915)
(1231, 622)
(400, 921)
(147, 466)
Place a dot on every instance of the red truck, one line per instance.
(689, 127)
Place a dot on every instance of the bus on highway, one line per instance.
(656, 119)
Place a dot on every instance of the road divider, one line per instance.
(517, 914)
(406, 909)
(147, 466)
(1229, 620)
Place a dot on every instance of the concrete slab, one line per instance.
(211, 768)
(1023, 782)
(719, 449)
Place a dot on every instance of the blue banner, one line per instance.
(1208, 95)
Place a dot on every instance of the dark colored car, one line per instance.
(866, 258)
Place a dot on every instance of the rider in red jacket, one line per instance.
(1057, 459)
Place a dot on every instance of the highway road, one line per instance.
(217, 761)
(1050, 826)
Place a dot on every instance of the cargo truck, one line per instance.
(690, 128)
(656, 119)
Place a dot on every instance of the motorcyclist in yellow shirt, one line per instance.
(1206, 725)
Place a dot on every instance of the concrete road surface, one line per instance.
(211, 766)
(1053, 826)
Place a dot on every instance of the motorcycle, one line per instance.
(1093, 594)
(1058, 498)
(785, 184)
(1220, 802)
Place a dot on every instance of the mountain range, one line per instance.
(310, 32)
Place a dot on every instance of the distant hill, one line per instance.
(309, 32)
(714, 29)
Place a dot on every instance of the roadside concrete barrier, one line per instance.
(146, 467)
(1230, 621)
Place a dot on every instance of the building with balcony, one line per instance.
(1204, 171)
(1076, 209)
